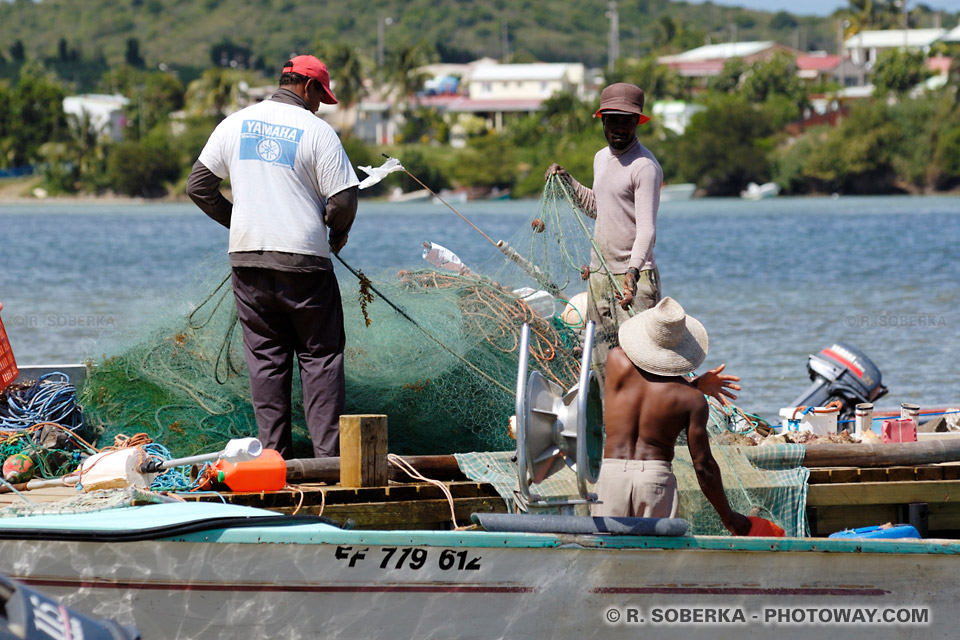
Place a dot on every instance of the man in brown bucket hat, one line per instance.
(624, 201)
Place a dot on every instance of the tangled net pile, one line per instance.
(435, 349)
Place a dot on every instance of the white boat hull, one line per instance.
(355, 584)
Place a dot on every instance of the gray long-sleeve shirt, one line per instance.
(624, 200)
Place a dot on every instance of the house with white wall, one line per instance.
(105, 112)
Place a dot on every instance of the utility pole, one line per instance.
(504, 42)
(614, 52)
(382, 24)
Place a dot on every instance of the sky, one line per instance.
(820, 7)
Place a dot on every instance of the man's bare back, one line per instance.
(644, 414)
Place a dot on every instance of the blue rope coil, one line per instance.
(172, 479)
(51, 399)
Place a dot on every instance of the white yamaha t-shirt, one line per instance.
(283, 163)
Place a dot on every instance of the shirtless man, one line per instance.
(648, 404)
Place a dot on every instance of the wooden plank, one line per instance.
(951, 471)
(414, 514)
(873, 475)
(901, 474)
(838, 518)
(930, 472)
(41, 496)
(944, 517)
(878, 493)
(363, 451)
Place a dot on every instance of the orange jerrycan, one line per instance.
(267, 472)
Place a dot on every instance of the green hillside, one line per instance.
(260, 33)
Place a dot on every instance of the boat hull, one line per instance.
(302, 582)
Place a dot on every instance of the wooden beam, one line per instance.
(879, 493)
(363, 451)
(417, 514)
(889, 454)
(439, 467)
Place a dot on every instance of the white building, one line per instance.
(675, 114)
(105, 112)
(864, 47)
(708, 60)
(536, 81)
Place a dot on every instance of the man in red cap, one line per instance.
(294, 201)
(624, 201)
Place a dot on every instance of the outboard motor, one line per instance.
(841, 372)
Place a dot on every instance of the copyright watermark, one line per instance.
(793, 616)
(63, 320)
(896, 321)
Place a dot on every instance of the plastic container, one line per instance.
(8, 365)
(888, 532)
(819, 420)
(115, 469)
(898, 431)
(268, 472)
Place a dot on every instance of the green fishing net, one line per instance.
(433, 347)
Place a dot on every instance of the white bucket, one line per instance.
(820, 421)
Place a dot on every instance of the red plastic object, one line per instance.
(8, 365)
(898, 431)
(763, 528)
(267, 472)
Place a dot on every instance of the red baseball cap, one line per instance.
(311, 67)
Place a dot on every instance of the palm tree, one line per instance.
(347, 72)
(404, 75)
(213, 92)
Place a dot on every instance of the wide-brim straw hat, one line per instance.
(664, 340)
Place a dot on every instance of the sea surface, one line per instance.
(773, 281)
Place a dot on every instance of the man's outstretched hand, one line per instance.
(718, 385)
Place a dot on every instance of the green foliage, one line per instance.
(488, 161)
(946, 161)
(774, 77)
(725, 147)
(348, 68)
(428, 173)
(856, 156)
(898, 71)
(143, 167)
(657, 81)
(728, 80)
(783, 20)
(32, 117)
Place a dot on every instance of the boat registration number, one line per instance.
(410, 557)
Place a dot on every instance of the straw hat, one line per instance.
(664, 340)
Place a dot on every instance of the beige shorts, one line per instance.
(636, 488)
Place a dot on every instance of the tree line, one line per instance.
(746, 132)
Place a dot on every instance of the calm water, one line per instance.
(773, 281)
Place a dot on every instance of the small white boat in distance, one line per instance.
(681, 191)
(420, 195)
(756, 191)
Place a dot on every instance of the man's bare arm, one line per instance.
(708, 472)
(717, 385)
